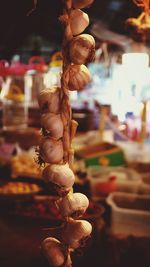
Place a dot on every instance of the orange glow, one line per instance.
(141, 24)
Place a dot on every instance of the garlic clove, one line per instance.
(82, 49)
(79, 20)
(51, 150)
(52, 248)
(61, 177)
(81, 3)
(73, 205)
(79, 77)
(49, 100)
(53, 124)
(75, 231)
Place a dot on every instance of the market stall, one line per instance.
(74, 147)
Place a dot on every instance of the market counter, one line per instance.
(20, 243)
(20, 247)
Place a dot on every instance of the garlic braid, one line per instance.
(58, 174)
(65, 105)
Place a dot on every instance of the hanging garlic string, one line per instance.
(57, 173)
(66, 112)
(65, 104)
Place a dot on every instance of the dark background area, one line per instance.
(19, 32)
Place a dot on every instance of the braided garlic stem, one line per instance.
(56, 149)
(65, 105)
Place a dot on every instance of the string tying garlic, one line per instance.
(73, 129)
(82, 49)
(77, 50)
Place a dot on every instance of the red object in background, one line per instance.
(16, 68)
(135, 135)
(106, 187)
(37, 63)
(4, 68)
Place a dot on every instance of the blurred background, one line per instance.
(40, 32)
(112, 143)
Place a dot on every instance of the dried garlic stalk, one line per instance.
(58, 131)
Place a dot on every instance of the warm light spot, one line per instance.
(142, 22)
(104, 161)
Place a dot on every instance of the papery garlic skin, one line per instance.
(55, 148)
(82, 49)
(81, 3)
(52, 123)
(79, 77)
(52, 248)
(73, 205)
(76, 231)
(51, 150)
(49, 100)
(59, 174)
(78, 20)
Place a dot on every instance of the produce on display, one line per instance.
(58, 130)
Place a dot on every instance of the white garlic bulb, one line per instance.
(51, 150)
(82, 49)
(61, 176)
(75, 231)
(73, 205)
(78, 20)
(52, 248)
(49, 100)
(79, 77)
(53, 124)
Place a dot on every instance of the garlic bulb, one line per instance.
(78, 20)
(60, 176)
(49, 100)
(74, 232)
(52, 248)
(82, 49)
(51, 150)
(73, 205)
(52, 123)
(81, 3)
(79, 77)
